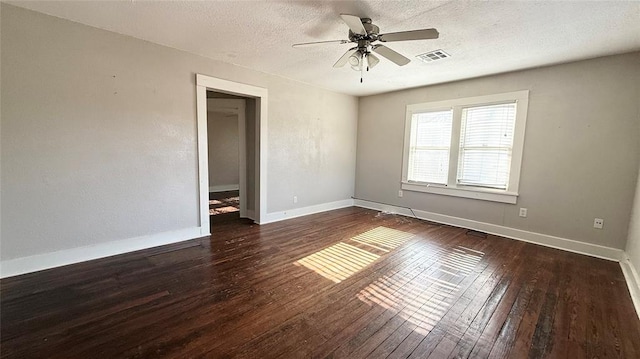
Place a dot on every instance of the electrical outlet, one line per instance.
(295, 199)
(400, 194)
(523, 212)
(598, 223)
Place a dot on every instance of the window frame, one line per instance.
(452, 188)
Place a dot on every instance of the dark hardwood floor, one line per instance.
(224, 206)
(349, 283)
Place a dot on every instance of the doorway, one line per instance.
(227, 143)
(244, 108)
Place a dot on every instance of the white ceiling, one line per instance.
(482, 37)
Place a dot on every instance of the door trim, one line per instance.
(204, 83)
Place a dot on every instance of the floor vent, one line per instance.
(471, 232)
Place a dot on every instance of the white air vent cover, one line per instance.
(433, 55)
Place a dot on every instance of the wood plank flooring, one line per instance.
(350, 283)
(224, 206)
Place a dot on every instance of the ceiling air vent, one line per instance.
(433, 56)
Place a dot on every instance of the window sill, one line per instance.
(475, 193)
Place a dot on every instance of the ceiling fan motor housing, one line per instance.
(371, 29)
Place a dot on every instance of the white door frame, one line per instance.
(204, 83)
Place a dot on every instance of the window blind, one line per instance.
(429, 147)
(486, 141)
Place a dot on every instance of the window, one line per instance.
(486, 142)
(430, 143)
(470, 147)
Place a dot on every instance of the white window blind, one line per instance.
(430, 146)
(486, 142)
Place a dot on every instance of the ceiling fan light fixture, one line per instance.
(354, 60)
(372, 60)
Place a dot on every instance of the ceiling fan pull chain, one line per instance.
(367, 58)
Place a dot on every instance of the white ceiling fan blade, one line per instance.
(372, 60)
(391, 55)
(303, 44)
(343, 60)
(425, 34)
(354, 23)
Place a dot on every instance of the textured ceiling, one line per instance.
(481, 37)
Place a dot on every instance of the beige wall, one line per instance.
(99, 136)
(224, 149)
(633, 240)
(581, 149)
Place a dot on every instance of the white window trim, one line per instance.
(510, 195)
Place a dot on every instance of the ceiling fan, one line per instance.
(364, 33)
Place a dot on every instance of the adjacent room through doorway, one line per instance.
(227, 156)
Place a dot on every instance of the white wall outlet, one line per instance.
(598, 223)
(523, 212)
(400, 193)
(295, 199)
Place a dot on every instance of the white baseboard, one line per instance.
(570, 245)
(224, 187)
(17, 266)
(633, 281)
(14, 267)
(298, 212)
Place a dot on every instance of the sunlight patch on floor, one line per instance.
(221, 210)
(225, 203)
(424, 299)
(338, 262)
(382, 238)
